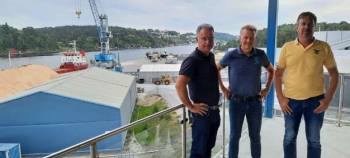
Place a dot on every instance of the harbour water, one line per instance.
(125, 55)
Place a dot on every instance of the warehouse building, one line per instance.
(68, 110)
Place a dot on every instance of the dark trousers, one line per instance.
(204, 130)
(313, 125)
(253, 111)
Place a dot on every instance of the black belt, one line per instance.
(240, 98)
(210, 107)
(213, 107)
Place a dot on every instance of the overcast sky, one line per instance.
(179, 15)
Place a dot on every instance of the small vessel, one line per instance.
(73, 61)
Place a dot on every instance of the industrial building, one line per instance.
(68, 110)
(339, 40)
(153, 72)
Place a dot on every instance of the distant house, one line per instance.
(68, 110)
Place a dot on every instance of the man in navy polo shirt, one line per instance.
(199, 72)
(244, 92)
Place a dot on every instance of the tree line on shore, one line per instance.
(44, 41)
(48, 40)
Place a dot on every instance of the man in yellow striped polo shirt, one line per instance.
(300, 66)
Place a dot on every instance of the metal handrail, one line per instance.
(340, 107)
(223, 127)
(93, 141)
(341, 100)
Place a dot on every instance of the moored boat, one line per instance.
(73, 61)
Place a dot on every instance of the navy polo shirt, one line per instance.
(245, 71)
(203, 85)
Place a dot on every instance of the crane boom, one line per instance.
(101, 21)
(106, 58)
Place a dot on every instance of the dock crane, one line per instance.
(105, 58)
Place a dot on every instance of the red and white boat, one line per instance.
(73, 61)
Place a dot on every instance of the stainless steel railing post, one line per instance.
(341, 99)
(223, 127)
(184, 121)
(93, 151)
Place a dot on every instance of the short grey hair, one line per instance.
(204, 26)
(249, 27)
